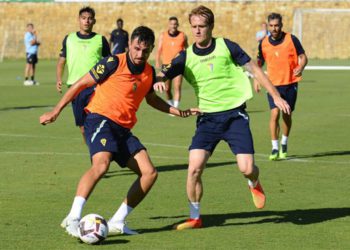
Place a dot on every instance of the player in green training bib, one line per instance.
(81, 51)
(214, 68)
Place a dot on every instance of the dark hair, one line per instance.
(87, 9)
(120, 20)
(143, 34)
(273, 16)
(173, 18)
(204, 12)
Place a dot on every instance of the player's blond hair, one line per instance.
(204, 12)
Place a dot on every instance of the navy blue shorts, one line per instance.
(231, 126)
(79, 103)
(32, 58)
(104, 135)
(288, 93)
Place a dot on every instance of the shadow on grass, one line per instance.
(26, 107)
(165, 168)
(322, 154)
(298, 217)
(112, 241)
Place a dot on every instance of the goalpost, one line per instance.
(324, 33)
(3, 47)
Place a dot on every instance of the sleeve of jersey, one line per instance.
(299, 48)
(63, 52)
(176, 67)
(104, 68)
(105, 47)
(238, 55)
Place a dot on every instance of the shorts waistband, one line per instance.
(243, 106)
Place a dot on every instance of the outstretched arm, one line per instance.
(158, 103)
(259, 75)
(73, 91)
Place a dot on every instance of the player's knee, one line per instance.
(100, 168)
(287, 117)
(275, 114)
(247, 167)
(195, 172)
(151, 174)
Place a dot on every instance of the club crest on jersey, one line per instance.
(211, 67)
(100, 69)
(103, 141)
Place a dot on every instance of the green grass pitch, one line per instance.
(308, 205)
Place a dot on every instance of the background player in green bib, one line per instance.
(81, 51)
(213, 66)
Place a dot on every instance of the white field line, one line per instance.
(265, 156)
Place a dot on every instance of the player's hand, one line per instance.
(298, 71)
(48, 117)
(59, 86)
(160, 87)
(257, 86)
(282, 105)
(189, 112)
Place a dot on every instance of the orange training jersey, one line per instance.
(171, 46)
(281, 60)
(120, 96)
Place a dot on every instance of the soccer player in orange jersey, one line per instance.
(122, 82)
(286, 60)
(170, 43)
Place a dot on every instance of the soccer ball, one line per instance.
(93, 229)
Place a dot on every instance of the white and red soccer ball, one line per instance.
(93, 229)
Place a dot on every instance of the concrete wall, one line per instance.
(237, 21)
